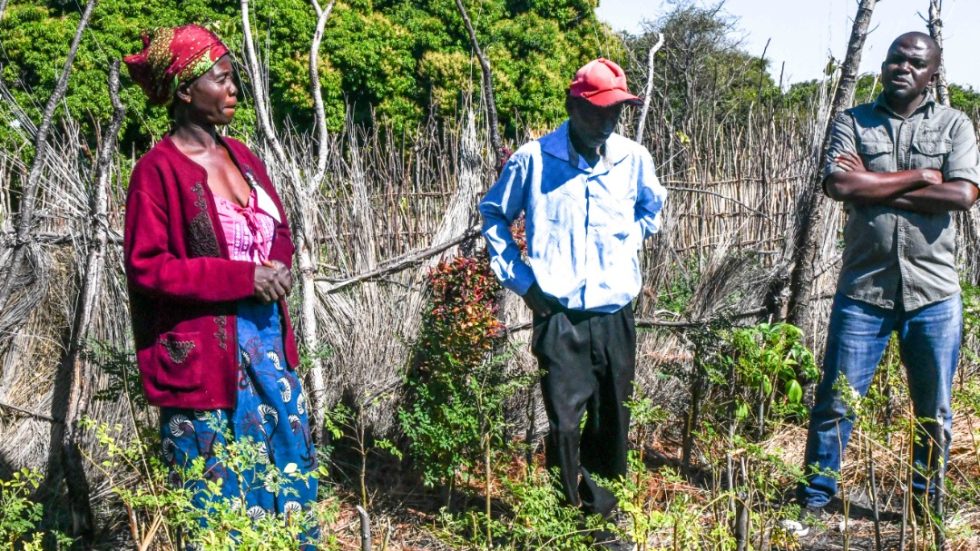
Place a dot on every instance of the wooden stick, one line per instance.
(489, 102)
(397, 265)
(365, 528)
(305, 257)
(720, 196)
(652, 322)
(641, 123)
(317, 92)
(935, 24)
(30, 413)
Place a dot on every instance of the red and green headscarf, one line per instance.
(171, 56)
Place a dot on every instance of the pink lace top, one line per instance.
(248, 230)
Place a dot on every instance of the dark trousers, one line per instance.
(588, 360)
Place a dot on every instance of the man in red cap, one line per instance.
(589, 197)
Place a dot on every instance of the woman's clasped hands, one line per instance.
(273, 280)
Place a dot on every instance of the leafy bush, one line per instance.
(161, 503)
(454, 412)
(763, 368)
(19, 516)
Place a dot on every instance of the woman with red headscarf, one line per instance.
(208, 256)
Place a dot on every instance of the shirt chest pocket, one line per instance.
(877, 155)
(930, 151)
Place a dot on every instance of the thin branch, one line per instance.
(641, 123)
(9, 239)
(317, 92)
(30, 413)
(720, 196)
(652, 322)
(489, 102)
(398, 264)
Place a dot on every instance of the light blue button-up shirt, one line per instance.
(584, 225)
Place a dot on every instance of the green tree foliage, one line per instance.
(391, 61)
(966, 99)
(802, 94)
(701, 68)
(867, 89)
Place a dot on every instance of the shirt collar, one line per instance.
(559, 144)
(928, 105)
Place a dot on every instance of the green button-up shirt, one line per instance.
(897, 257)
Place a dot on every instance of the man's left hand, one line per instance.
(850, 162)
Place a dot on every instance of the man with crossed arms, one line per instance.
(901, 165)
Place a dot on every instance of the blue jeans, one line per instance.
(929, 341)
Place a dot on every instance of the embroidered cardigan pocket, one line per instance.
(178, 358)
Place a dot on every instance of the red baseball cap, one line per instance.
(602, 83)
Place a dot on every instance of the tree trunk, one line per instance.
(75, 368)
(936, 32)
(812, 205)
(301, 234)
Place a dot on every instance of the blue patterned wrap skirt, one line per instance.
(271, 412)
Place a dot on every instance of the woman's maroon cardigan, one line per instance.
(182, 284)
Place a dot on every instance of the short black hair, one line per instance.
(934, 49)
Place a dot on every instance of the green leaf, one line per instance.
(794, 392)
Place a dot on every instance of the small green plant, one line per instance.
(120, 366)
(536, 518)
(19, 516)
(676, 294)
(765, 367)
(645, 418)
(345, 422)
(970, 348)
(162, 502)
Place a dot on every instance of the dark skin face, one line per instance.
(909, 68)
(210, 99)
(591, 126)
